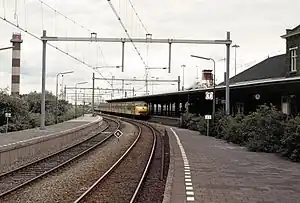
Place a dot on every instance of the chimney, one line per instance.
(207, 78)
(16, 53)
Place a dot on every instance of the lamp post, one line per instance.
(214, 85)
(183, 66)
(79, 83)
(235, 46)
(56, 93)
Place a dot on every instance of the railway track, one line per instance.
(15, 179)
(123, 180)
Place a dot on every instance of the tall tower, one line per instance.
(16, 53)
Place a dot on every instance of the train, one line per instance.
(137, 109)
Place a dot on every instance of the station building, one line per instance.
(275, 80)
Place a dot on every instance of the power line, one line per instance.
(73, 21)
(137, 15)
(53, 46)
(126, 31)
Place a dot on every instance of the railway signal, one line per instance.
(118, 134)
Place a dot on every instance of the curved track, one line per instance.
(122, 177)
(26, 174)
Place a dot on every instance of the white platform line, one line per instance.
(189, 190)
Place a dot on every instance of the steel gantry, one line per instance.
(94, 38)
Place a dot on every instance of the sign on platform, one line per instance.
(209, 95)
(118, 133)
(7, 115)
(207, 117)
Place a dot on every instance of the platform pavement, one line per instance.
(26, 135)
(212, 170)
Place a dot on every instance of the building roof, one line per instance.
(238, 85)
(292, 32)
(273, 67)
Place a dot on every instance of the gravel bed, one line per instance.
(12, 180)
(68, 183)
(23, 162)
(153, 187)
(120, 185)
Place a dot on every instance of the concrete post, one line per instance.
(227, 75)
(93, 96)
(42, 125)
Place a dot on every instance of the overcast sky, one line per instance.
(255, 25)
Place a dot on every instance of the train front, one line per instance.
(141, 109)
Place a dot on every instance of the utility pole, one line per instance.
(122, 88)
(183, 66)
(42, 125)
(93, 95)
(227, 106)
(235, 46)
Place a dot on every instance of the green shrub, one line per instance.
(265, 129)
(202, 125)
(232, 132)
(291, 140)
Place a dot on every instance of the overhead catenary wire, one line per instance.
(73, 21)
(126, 32)
(137, 15)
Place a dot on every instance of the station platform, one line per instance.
(17, 137)
(205, 169)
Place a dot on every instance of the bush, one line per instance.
(265, 129)
(291, 140)
(233, 130)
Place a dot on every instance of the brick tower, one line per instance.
(16, 53)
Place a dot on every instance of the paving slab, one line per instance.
(206, 169)
(25, 135)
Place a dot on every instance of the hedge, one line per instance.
(265, 130)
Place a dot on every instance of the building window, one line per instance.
(293, 59)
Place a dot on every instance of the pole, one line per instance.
(122, 88)
(6, 129)
(146, 82)
(214, 96)
(207, 127)
(56, 99)
(182, 77)
(93, 95)
(170, 56)
(178, 87)
(42, 125)
(227, 106)
(112, 85)
(123, 53)
(83, 103)
(235, 61)
(65, 93)
(75, 101)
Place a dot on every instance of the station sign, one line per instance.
(207, 117)
(209, 95)
(7, 115)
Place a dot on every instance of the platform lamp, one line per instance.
(56, 93)
(235, 47)
(79, 83)
(214, 85)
